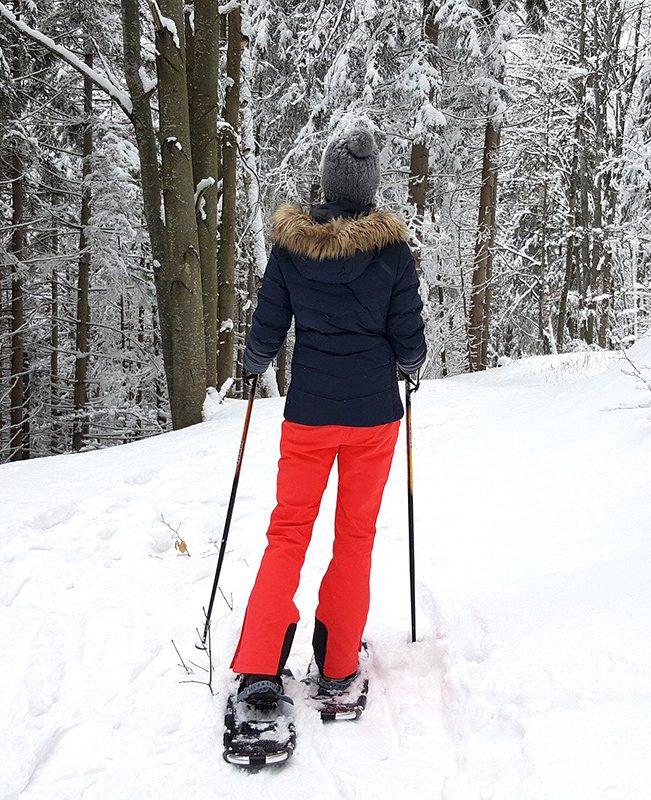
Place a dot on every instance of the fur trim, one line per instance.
(295, 230)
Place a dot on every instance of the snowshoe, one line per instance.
(338, 700)
(259, 731)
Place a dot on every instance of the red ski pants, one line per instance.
(307, 454)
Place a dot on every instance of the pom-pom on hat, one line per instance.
(350, 168)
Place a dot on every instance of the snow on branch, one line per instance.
(120, 96)
(231, 6)
(107, 68)
(148, 84)
(188, 10)
(199, 200)
(162, 22)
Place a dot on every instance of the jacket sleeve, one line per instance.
(271, 319)
(405, 327)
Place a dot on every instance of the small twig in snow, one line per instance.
(637, 372)
(185, 666)
(203, 683)
(230, 605)
(179, 543)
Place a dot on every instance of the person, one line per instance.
(344, 272)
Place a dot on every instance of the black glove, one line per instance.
(411, 379)
(247, 380)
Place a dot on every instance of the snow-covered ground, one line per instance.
(531, 679)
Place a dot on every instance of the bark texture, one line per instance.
(80, 425)
(18, 447)
(227, 243)
(203, 107)
(181, 279)
(483, 265)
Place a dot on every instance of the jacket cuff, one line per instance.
(409, 367)
(254, 365)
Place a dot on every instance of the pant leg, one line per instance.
(307, 454)
(364, 464)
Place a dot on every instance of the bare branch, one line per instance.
(185, 666)
(230, 605)
(637, 372)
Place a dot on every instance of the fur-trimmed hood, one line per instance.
(338, 238)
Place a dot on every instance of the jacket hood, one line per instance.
(340, 237)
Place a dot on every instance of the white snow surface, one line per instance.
(531, 676)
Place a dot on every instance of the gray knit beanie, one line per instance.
(350, 168)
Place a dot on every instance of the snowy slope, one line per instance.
(531, 679)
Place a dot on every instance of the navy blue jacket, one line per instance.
(347, 277)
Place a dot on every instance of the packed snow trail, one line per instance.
(530, 679)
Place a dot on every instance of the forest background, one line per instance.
(145, 145)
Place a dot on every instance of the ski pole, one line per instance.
(410, 511)
(231, 505)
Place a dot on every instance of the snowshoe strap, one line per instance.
(264, 686)
(334, 685)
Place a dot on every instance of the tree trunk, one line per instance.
(54, 355)
(251, 175)
(181, 277)
(161, 416)
(584, 180)
(419, 157)
(571, 249)
(229, 199)
(600, 144)
(17, 445)
(418, 186)
(80, 424)
(141, 342)
(611, 192)
(417, 191)
(483, 264)
(149, 175)
(545, 302)
(268, 384)
(205, 164)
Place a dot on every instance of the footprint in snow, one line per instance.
(12, 588)
(140, 478)
(50, 517)
(615, 793)
(411, 720)
(106, 532)
(46, 669)
(161, 539)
